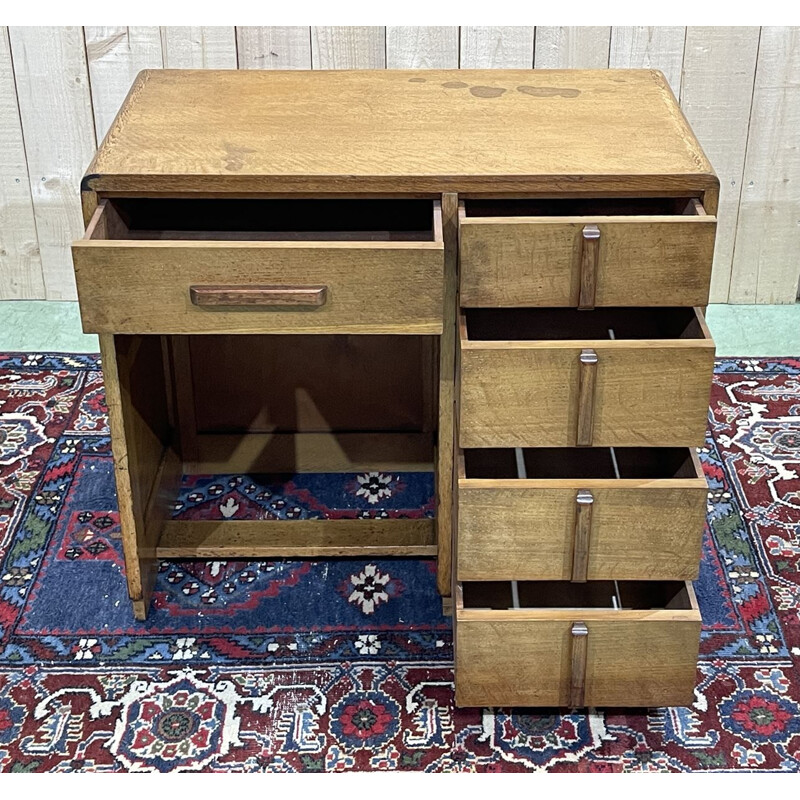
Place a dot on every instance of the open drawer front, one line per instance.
(561, 644)
(586, 252)
(261, 266)
(580, 514)
(559, 377)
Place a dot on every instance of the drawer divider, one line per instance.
(577, 685)
(584, 504)
(586, 384)
(590, 257)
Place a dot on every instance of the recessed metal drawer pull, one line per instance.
(590, 259)
(584, 504)
(586, 382)
(577, 684)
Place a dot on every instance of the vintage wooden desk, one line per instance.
(496, 275)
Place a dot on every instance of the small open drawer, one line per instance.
(580, 514)
(559, 377)
(604, 643)
(180, 265)
(581, 252)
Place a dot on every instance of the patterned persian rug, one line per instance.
(347, 665)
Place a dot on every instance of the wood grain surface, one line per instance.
(445, 440)
(258, 384)
(650, 47)
(312, 452)
(523, 657)
(304, 538)
(527, 662)
(401, 131)
(497, 47)
(55, 109)
(147, 471)
(642, 261)
(716, 96)
(116, 54)
(648, 393)
(765, 264)
(20, 262)
(525, 529)
(273, 47)
(373, 287)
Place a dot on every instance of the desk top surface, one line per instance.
(400, 132)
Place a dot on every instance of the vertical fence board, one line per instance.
(20, 265)
(202, 47)
(509, 47)
(355, 47)
(585, 47)
(660, 47)
(274, 47)
(718, 68)
(58, 128)
(434, 47)
(116, 55)
(766, 263)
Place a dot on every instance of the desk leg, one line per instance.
(447, 356)
(146, 468)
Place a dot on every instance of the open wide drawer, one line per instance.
(559, 377)
(562, 644)
(179, 265)
(584, 252)
(580, 514)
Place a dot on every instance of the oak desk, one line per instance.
(574, 213)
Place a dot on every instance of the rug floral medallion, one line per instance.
(284, 666)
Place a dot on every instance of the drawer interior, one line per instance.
(584, 207)
(542, 324)
(647, 463)
(612, 595)
(272, 219)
